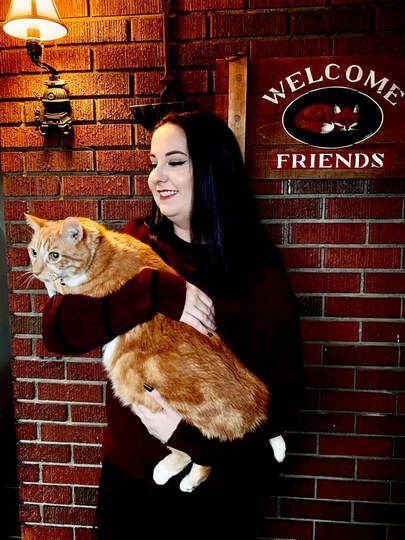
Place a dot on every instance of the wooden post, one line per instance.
(237, 92)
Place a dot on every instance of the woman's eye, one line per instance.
(176, 163)
(33, 252)
(171, 163)
(53, 255)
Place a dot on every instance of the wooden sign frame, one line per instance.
(237, 91)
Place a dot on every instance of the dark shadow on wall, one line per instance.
(9, 525)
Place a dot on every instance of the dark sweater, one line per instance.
(258, 321)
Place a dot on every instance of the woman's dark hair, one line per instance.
(223, 213)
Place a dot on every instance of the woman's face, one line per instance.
(171, 178)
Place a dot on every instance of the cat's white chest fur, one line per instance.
(68, 281)
(108, 352)
(75, 281)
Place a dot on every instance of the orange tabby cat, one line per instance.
(217, 394)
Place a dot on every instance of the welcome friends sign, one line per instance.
(325, 117)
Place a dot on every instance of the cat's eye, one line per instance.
(33, 252)
(53, 255)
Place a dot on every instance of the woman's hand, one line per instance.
(161, 424)
(198, 310)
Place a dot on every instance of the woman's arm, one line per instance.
(74, 324)
(270, 338)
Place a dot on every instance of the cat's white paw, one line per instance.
(186, 485)
(170, 466)
(161, 474)
(279, 448)
(197, 475)
(327, 127)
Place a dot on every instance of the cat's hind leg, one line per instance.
(279, 447)
(197, 475)
(171, 465)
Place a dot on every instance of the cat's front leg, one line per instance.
(171, 465)
(279, 448)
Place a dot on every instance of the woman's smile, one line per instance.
(166, 194)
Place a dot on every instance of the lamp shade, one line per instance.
(34, 19)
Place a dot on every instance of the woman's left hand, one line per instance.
(161, 424)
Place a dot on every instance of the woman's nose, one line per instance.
(159, 174)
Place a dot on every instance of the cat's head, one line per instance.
(346, 118)
(62, 251)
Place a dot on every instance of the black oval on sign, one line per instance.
(332, 117)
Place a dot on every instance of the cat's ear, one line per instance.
(72, 231)
(34, 222)
(356, 109)
(337, 109)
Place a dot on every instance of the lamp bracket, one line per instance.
(34, 50)
(171, 97)
(171, 90)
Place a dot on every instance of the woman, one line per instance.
(204, 225)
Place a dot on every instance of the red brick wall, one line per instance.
(342, 241)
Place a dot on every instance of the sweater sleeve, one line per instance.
(285, 377)
(74, 324)
(189, 439)
(279, 348)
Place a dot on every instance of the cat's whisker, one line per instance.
(30, 279)
(25, 278)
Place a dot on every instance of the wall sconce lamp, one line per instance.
(36, 21)
(171, 97)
